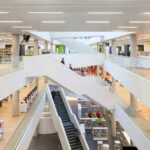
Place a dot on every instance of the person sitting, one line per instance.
(62, 61)
(90, 114)
(98, 115)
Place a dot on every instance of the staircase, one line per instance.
(69, 127)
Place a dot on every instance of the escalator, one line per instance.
(69, 127)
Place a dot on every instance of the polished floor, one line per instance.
(11, 123)
(45, 142)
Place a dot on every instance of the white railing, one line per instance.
(24, 133)
(125, 61)
(57, 122)
(74, 120)
(132, 129)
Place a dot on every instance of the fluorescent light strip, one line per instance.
(29, 31)
(4, 12)
(11, 21)
(45, 13)
(105, 13)
(127, 27)
(140, 22)
(146, 13)
(53, 22)
(22, 27)
(97, 22)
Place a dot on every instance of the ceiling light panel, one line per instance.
(53, 22)
(12, 21)
(127, 27)
(105, 13)
(97, 22)
(4, 12)
(51, 13)
(146, 13)
(140, 22)
(22, 27)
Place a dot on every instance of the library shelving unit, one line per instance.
(117, 145)
(5, 53)
(100, 133)
(84, 103)
(100, 145)
(89, 123)
(96, 108)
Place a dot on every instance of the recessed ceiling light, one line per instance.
(127, 27)
(4, 12)
(45, 12)
(29, 31)
(146, 13)
(53, 21)
(8, 21)
(139, 21)
(97, 22)
(22, 27)
(119, 31)
(105, 13)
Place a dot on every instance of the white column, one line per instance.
(113, 124)
(104, 48)
(103, 73)
(113, 84)
(133, 45)
(36, 48)
(15, 104)
(46, 46)
(98, 71)
(51, 47)
(133, 102)
(113, 47)
(15, 50)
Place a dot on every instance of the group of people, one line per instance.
(91, 115)
(63, 62)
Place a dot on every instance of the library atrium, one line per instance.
(74, 74)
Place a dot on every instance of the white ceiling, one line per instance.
(75, 14)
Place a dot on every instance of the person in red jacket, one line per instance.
(98, 115)
(90, 114)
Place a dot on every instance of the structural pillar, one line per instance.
(15, 104)
(98, 71)
(113, 124)
(15, 50)
(36, 47)
(133, 45)
(113, 84)
(113, 47)
(133, 102)
(46, 46)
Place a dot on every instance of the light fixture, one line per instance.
(127, 27)
(97, 22)
(105, 13)
(140, 22)
(29, 31)
(146, 13)
(12, 21)
(119, 31)
(57, 13)
(22, 27)
(52, 21)
(4, 12)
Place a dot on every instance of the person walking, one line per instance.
(63, 61)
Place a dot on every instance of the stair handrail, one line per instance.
(57, 121)
(74, 120)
